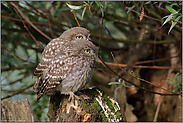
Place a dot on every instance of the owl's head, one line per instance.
(82, 48)
(75, 33)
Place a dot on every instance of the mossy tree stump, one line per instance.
(93, 105)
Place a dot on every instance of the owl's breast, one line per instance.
(78, 77)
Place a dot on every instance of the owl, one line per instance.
(67, 63)
(55, 46)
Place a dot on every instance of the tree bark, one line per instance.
(16, 111)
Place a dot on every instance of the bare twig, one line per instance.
(18, 92)
(27, 19)
(150, 61)
(135, 84)
(19, 67)
(36, 9)
(48, 21)
(144, 15)
(16, 19)
(41, 15)
(138, 77)
(74, 15)
(140, 66)
(17, 55)
(159, 104)
(100, 33)
(176, 20)
(16, 80)
(14, 70)
(29, 32)
(104, 71)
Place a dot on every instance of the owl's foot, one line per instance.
(83, 95)
(72, 102)
(72, 97)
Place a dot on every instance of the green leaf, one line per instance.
(83, 12)
(141, 5)
(123, 83)
(160, 4)
(58, 4)
(148, 2)
(174, 89)
(99, 3)
(176, 76)
(112, 83)
(91, 2)
(180, 81)
(118, 87)
(49, 4)
(132, 7)
(173, 24)
(155, 3)
(171, 10)
(171, 79)
(168, 19)
(173, 4)
(74, 7)
(165, 17)
(170, 82)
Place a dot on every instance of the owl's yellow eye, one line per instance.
(87, 50)
(79, 37)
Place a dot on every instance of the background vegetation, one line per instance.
(140, 42)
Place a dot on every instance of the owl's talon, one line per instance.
(68, 107)
(86, 97)
(72, 97)
(72, 102)
(83, 96)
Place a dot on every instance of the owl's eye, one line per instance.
(87, 50)
(79, 37)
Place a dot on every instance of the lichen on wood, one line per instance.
(93, 105)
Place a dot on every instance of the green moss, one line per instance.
(96, 105)
(119, 116)
(110, 105)
(104, 118)
(96, 108)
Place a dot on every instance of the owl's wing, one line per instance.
(41, 67)
(44, 63)
(57, 70)
(50, 51)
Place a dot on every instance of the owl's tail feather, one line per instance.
(37, 85)
(45, 87)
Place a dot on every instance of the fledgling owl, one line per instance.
(67, 63)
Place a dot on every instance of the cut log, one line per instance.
(16, 111)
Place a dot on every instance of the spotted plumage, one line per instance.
(67, 63)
